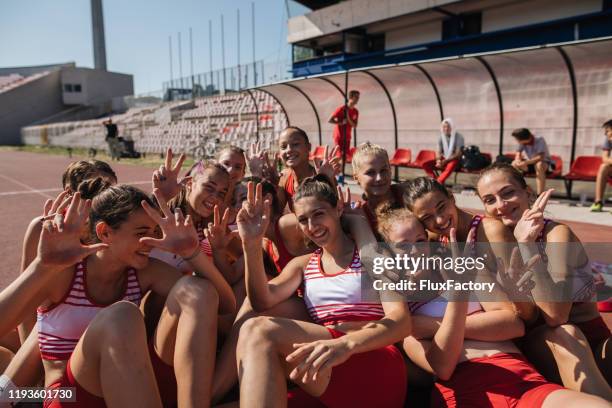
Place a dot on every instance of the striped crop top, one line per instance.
(332, 299)
(60, 326)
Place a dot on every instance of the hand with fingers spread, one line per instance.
(178, 233)
(166, 178)
(254, 216)
(60, 239)
(516, 280)
(331, 163)
(316, 359)
(529, 227)
(217, 233)
(255, 159)
(270, 168)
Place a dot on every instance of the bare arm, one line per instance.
(441, 355)
(30, 243)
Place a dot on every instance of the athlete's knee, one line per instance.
(257, 332)
(118, 321)
(194, 293)
(566, 339)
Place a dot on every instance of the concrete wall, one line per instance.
(533, 12)
(28, 103)
(97, 86)
(353, 13)
(413, 35)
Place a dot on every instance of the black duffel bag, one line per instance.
(472, 159)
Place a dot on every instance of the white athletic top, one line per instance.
(437, 306)
(332, 299)
(60, 326)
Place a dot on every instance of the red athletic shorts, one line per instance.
(164, 373)
(502, 380)
(375, 378)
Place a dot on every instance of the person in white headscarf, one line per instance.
(450, 145)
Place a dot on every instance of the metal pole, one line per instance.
(180, 59)
(253, 35)
(223, 54)
(210, 56)
(170, 50)
(238, 38)
(191, 55)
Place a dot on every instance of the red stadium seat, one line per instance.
(422, 157)
(318, 153)
(401, 158)
(584, 168)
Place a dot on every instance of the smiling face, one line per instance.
(234, 163)
(207, 190)
(437, 212)
(124, 241)
(293, 148)
(318, 220)
(503, 197)
(374, 175)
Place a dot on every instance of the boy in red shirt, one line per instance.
(345, 124)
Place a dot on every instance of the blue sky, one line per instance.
(37, 32)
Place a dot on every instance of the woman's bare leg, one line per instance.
(573, 399)
(226, 374)
(563, 353)
(263, 344)
(112, 360)
(26, 369)
(186, 338)
(601, 181)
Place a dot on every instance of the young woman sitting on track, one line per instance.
(204, 187)
(22, 363)
(372, 171)
(294, 149)
(465, 344)
(85, 333)
(281, 239)
(569, 329)
(347, 353)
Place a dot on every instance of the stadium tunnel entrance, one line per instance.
(562, 92)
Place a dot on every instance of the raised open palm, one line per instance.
(60, 239)
(178, 233)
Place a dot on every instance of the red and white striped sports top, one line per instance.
(332, 299)
(60, 326)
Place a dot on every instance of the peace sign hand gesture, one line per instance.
(331, 163)
(254, 217)
(217, 233)
(165, 179)
(531, 223)
(516, 280)
(270, 168)
(178, 233)
(60, 239)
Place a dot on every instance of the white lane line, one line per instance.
(29, 188)
(48, 190)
